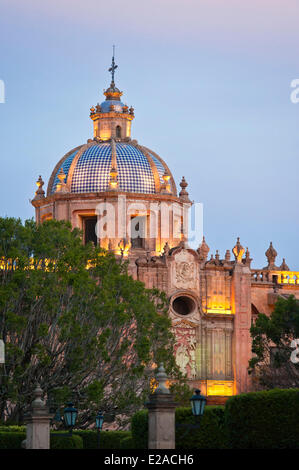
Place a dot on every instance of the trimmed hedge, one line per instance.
(108, 439)
(13, 440)
(127, 443)
(12, 428)
(59, 441)
(263, 420)
(139, 428)
(211, 434)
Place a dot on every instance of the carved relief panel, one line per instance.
(185, 347)
(184, 271)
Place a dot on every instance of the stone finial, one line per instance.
(271, 255)
(184, 195)
(203, 250)
(61, 176)
(238, 251)
(247, 260)
(217, 256)
(98, 108)
(37, 393)
(284, 266)
(38, 406)
(227, 256)
(113, 180)
(61, 186)
(165, 187)
(40, 193)
(131, 110)
(92, 110)
(161, 378)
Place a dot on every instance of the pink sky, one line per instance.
(172, 19)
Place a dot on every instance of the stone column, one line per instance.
(38, 423)
(241, 294)
(161, 415)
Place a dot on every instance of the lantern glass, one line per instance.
(99, 420)
(70, 415)
(198, 403)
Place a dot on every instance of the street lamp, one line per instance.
(99, 425)
(70, 414)
(198, 403)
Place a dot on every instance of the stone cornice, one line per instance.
(108, 195)
(112, 115)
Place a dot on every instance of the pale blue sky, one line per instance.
(210, 84)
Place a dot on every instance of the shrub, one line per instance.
(12, 428)
(62, 441)
(127, 443)
(11, 439)
(139, 428)
(211, 434)
(108, 439)
(263, 420)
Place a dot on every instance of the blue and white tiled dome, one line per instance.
(87, 169)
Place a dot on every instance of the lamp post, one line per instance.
(70, 414)
(99, 425)
(198, 403)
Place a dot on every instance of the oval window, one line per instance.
(183, 305)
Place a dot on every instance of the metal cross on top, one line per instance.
(113, 66)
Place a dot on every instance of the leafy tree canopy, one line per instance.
(271, 344)
(91, 335)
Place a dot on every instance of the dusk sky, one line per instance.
(210, 82)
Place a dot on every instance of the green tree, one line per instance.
(91, 335)
(271, 364)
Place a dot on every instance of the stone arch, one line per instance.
(118, 132)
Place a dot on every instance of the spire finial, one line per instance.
(238, 251)
(113, 66)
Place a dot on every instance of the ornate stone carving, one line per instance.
(271, 255)
(203, 250)
(284, 266)
(184, 274)
(40, 193)
(185, 357)
(184, 195)
(238, 251)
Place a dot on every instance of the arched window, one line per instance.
(118, 132)
(89, 229)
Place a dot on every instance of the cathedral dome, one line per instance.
(112, 160)
(87, 169)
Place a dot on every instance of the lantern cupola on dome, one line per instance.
(112, 118)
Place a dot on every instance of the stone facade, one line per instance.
(212, 301)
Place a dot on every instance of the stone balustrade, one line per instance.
(276, 277)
